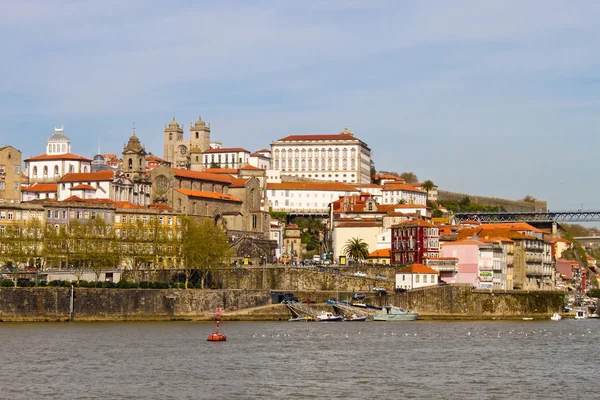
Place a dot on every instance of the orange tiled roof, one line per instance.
(252, 167)
(208, 195)
(152, 157)
(205, 176)
(394, 187)
(381, 253)
(358, 224)
(104, 175)
(316, 137)
(417, 269)
(238, 182)
(229, 171)
(67, 156)
(159, 206)
(227, 150)
(418, 222)
(83, 186)
(41, 188)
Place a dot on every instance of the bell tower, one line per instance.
(173, 138)
(134, 158)
(200, 135)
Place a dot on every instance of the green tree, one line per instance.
(529, 199)
(428, 186)
(204, 247)
(356, 248)
(373, 171)
(409, 177)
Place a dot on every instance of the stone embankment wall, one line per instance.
(509, 205)
(448, 302)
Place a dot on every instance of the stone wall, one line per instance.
(509, 205)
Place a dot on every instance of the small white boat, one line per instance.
(355, 317)
(556, 317)
(327, 316)
(580, 313)
(527, 318)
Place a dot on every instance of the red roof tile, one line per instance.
(208, 195)
(105, 175)
(83, 187)
(41, 188)
(417, 269)
(67, 156)
(381, 253)
(316, 137)
(227, 150)
(205, 176)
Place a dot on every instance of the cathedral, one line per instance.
(186, 153)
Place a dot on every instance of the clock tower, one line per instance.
(134, 159)
(186, 153)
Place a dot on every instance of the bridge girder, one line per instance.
(560, 216)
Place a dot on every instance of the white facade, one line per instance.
(384, 240)
(225, 157)
(259, 160)
(93, 185)
(403, 193)
(422, 277)
(57, 161)
(337, 157)
(342, 233)
(309, 197)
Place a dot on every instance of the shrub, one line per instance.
(42, 283)
(25, 283)
(127, 285)
(7, 283)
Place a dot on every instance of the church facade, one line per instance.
(185, 153)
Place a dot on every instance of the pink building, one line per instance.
(467, 252)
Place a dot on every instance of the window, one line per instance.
(16, 169)
(424, 278)
(10, 216)
(170, 221)
(417, 278)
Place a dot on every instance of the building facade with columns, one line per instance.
(340, 157)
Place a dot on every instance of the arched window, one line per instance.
(56, 170)
(49, 148)
(197, 136)
(64, 148)
(85, 169)
(140, 161)
(71, 168)
(34, 171)
(170, 136)
(130, 163)
(45, 171)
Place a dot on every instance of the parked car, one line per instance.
(399, 290)
(382, 277)
(380, 291)
(307, 262)
(358, 296)
(327, 262)
(361, 274)
(442, 283)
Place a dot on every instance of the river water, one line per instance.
(302, 360)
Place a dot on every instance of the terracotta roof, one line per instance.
(67, 156)
(227, 150)
(159, 206)
(152, 157)
(205, 176)
(252, 167)
(263, 151)
(104, 175)
(381, 253)
(326, 186)
(238, 182)
(83, 186)
(303, 138)
(368, 185)
(418, 222)
(229, 171)
(108, 155)
(395, 187)
(358, 224)
(208, 195)
(128, 205)
(416, 269)
(470, 222)
(41, 188)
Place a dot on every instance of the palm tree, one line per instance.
(427, 186)
(356, 248)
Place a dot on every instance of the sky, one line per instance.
(492, 98)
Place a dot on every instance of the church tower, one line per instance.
(199, 142)
(134, 159)
(173, 142)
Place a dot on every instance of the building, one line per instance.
(292, 244)
(180, 152)
(344, 231)
(225, 157)
(10, 175)
(40, 191)
(381, 256)
(306, 198)
(416, 276)
(57, 161)
(414, 240)
(340, 157)
(403, 194)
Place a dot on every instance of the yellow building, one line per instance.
(10, 175)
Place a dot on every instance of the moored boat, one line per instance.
(393, 313)
(327, 316)
(580, 313)
(355, 317)
(306, 318)
(556, 317)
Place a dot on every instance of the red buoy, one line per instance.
(217, 336)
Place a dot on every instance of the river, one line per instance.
(302, 360)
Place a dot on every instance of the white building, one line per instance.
(40, 191)
(407, 194)
(225, 157)
(416, 276)
(90, 185)
(306, 197)
(260, 159)
(57, 161)
(332, 157)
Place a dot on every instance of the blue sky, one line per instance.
(492, 98)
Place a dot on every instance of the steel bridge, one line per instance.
(529, 216)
